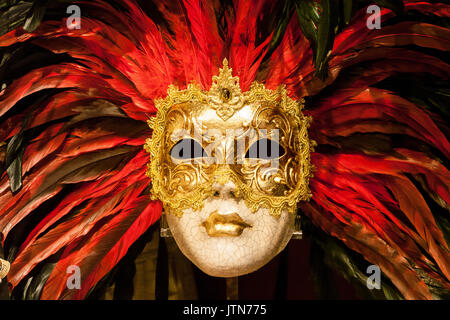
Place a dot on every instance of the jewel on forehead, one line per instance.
(225, 95)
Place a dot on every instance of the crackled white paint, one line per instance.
(231, 256)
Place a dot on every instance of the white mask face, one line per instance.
(230, 169)
(223, 253)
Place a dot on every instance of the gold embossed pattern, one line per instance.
(225, 122)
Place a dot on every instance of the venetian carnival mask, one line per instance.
(229, 168)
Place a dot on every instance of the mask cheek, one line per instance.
(189, 234)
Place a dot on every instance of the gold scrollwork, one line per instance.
(180, 185)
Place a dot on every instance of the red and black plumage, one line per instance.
(73, 124)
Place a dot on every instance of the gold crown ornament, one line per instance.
(256, 139)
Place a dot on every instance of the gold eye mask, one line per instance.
(257, 139)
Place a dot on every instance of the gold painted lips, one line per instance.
(224, 225)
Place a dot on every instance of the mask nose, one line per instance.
(224, 191)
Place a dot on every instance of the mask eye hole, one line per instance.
(265, 149)
(187, 149)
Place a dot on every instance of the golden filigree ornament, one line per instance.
(225, 94)
(256, 139)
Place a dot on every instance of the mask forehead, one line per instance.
(201, 117)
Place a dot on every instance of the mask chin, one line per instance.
(230, 254)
